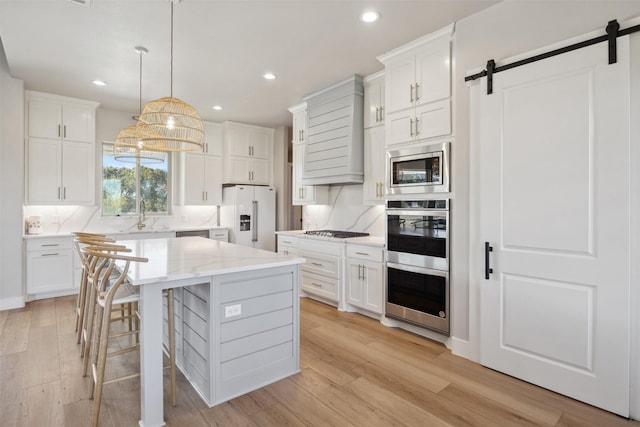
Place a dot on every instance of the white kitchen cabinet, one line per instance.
(287, 245)
(56, 117)
(221, 234)
(374, 100)
(416, 76)
(60, 172)
(321, 274)
(248, 154)
(365, 277)
(202, 180)
(303, 194)
(200, 177)
(373, 188)
(60, 150)
(49, 265)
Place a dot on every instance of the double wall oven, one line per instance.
(418, 262)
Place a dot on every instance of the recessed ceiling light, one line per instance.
(269, 76)
(370, 16)
(217, 107)
(99, 83)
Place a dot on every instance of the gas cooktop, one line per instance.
(335, 233)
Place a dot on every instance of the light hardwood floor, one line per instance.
(355, 372)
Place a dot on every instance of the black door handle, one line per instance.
(487, 269)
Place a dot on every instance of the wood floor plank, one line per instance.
(342, 401)
(227, 415)
(42, 360)
(15, 333)
(392, 404)
(255, 401)
(277, 416)
(66, 313)
(43, 312)
(304, 406)
(43, 406)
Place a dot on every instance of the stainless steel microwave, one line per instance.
(419, 169)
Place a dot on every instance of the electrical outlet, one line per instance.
(233, 310)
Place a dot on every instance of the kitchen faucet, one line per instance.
(141, 216)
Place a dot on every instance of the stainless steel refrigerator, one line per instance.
(249, 212)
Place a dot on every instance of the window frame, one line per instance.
(136, 166)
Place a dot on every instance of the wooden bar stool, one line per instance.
(81, 238)
(94, 280)
(119, 291)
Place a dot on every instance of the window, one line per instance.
(124, 185)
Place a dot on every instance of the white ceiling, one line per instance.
(221, 48)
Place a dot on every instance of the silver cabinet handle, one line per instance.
(381, 112)
(59, 135)
(362, 253)
(64, 193)
(285, 241)
(411, 127)
(417, 96)
(317, 263)
(411, 93)
(206, 195)
(50, 254)
(417, 121)
(51, 244)
(302, 135)
(64, 131)
(363, 271)
(58, 193)
(315, 284)
(359, 271)
(254, 235)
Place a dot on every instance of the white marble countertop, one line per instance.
(187, 257)
(365, 240)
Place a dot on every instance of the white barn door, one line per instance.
(554, 159)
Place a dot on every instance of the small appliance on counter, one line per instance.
(34, 225)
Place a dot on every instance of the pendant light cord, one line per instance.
(140, 91)
(171, 91)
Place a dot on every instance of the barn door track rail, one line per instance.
(613, 32)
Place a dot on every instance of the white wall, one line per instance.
(11, 186)
(281, 176)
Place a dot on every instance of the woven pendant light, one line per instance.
(129, 145)
(177, 124)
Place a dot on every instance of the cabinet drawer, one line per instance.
(325, 265)
(287, 241)
(320, 285)
(49, 243)
(368, 253)
(329, 248)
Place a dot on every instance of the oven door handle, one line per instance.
(417, 212)
(419, 270)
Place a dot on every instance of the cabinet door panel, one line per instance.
(260, 144)
(400, 127)
(77, 172)
(238, 141)
(213, 180)
(434, 119)
(45, 118)
(373, 101)
(400, 76)
(433, 73)
(212, 139)
(354, 284)
(372, 287)
(49, 271)
(78, 123)
(44, 170)
(238, 170)
(261, 173)
(374, 166)
(194, 176)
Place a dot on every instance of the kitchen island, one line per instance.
(236, 311)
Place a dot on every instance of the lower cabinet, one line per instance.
(49, 265)
(348, 275)
(365, 277)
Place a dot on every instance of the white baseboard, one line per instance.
(460, 348)
(9, 303)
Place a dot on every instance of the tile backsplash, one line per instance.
(345, 211)
(65, 219)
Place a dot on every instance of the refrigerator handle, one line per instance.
(254, 237)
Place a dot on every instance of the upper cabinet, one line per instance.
(200, 180)
(374, 101)
(248, 154)
(418, 88)
(334, 141)
(60, 149)
(303, 194)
